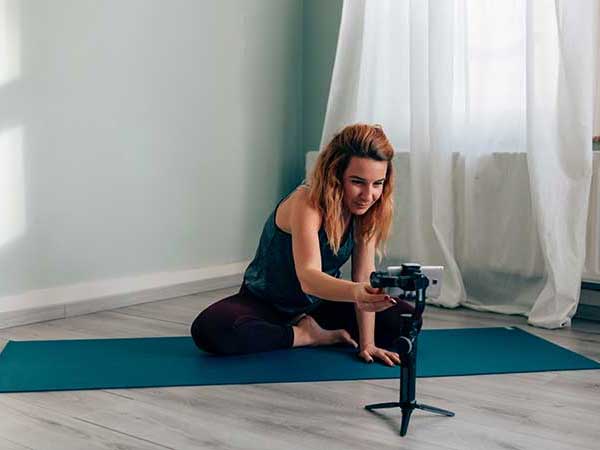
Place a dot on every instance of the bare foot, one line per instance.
(308, 332)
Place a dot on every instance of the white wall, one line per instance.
(139, 136)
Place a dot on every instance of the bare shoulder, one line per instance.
(297, 211)
(302, 205)
(301, 198)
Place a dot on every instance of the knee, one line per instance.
(211, 335)
(200, 333)
(205, 333)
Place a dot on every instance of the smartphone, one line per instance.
(435, 275)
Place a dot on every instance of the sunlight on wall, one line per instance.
(12, 182)
(10, 64)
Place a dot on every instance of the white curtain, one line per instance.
(493, 101)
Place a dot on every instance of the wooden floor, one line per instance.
(551, 410)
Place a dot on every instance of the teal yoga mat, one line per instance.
(28, 366)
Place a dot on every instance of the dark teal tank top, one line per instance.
(271, 275)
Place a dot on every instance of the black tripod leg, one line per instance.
(382, 405)
(433, 409)
(406, 412)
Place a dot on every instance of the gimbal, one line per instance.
(414, 283)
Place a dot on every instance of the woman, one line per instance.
(292, 294)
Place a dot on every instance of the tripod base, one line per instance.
(407, 409)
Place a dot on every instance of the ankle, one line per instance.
(301, 336)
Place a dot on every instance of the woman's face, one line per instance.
(363, 184)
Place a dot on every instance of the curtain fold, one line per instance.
(493, 101)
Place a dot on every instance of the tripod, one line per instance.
(410, 280)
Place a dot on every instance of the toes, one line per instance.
(346, 338)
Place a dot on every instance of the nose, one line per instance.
(368, 193)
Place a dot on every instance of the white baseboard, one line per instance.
(66, 301)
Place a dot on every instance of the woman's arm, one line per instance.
(363, 263)
(305, 224)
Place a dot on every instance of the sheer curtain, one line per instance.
(493, 101)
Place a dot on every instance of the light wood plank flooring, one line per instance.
(551, 410)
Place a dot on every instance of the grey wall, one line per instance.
(320, 31)
(144, 135)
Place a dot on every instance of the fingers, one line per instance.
(379, 298)
(372, 290)
(388, 358)
(375, 306)
(370, 294)
(366, 357)
(395, 357)
(385, 356)
(349, 339)
(387, 361)
(382, 298)
(378, 307)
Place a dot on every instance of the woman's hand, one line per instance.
(370, 352)
(371, 299)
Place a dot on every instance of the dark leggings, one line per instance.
(243, 323)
